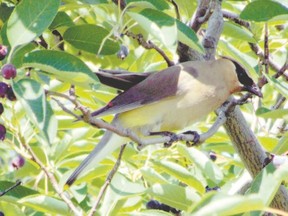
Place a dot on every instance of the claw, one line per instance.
(195, 139)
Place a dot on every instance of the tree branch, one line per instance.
(150, 45)
(50, 176)
(243, 139)
(107, 182)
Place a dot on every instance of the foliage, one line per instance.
(56, 44)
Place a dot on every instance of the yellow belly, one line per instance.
(173, 113)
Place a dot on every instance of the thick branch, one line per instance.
(201, 14)
(251, 152)
(243, 139)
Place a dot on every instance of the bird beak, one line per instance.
(254, 89)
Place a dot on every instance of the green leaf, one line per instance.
(282, 146)
(152, 176)
(29, 19)
(281, 87)
(18, 192)
(174, 195)
(180, 173)
(89, 38)
(263, 10)
(236, 31)
(64, 66)
(125, 187)
(20, 52)
(5, 12)
(45, 204)
(159, 4)
(265, 185)
(229, 50)
(164, 28)
(31, 95)
(94, 1)
(158, 24)
(203, 162)
(61, 19)
(187, 36)
(273, 114)
(221, 204)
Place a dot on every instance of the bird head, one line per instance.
(247, 83)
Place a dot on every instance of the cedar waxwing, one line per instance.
(169, 100)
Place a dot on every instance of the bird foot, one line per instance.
(173, 137)
(195, 139)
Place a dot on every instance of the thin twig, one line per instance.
(266, 49)
(281, 71)
(72, 91)
(150, 45)
(254, 47)
(235, 18)
(107, 182)
(67, 97)
(66, 110)
(279, 102)
(176, 9)
(50, 176)
(203, 10)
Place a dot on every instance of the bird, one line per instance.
(168, 100)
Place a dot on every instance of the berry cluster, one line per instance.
(8, 71)
(154, 204)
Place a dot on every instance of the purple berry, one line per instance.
(3, 52)
(1, 108)
(1, 213)
(153, 204)
(9, 71)
(164, 207)
(123, 52)
(2, 132)
(3, 89)
(18, 162)
(212, 155)
(10, 94)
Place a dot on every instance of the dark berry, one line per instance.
(1, 108)
(212, 155)
(153, 204)
(207, 189)
(175, 211)
(2, 132)
(9, 71)
(3, 52)
(18, 162)
(3, 89)
(165, 207)
(123, 52)
(1, 213)
(10, 94)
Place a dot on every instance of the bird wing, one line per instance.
(121, 80)
(152, 89)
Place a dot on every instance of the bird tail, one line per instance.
(108, 144)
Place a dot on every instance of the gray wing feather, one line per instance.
(152, 89)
